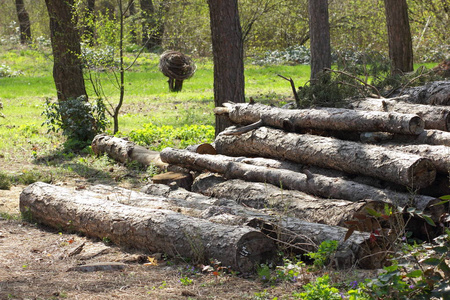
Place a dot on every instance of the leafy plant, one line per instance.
(319, 290)
(290, 270)
(78, 119)
(5, 181)
(323, 254)
(186, 281)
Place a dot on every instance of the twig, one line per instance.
(356, 78)
(297, 100)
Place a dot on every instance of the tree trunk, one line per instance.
(324, 118)
(430, 137)
(399, 36)
(153, 23)
(67, 66)
(90, 27)
(311, 181)
(433, 93)
(24, 23)
(155, 230)
(435, 117)
(228, 54)
(354, 158)
(125, 151)
(319, 32)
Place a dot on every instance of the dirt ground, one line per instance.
(40, 263)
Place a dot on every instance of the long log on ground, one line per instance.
(312, 183)
(124, 151)
(355, 158)
(155, 230)
(324, 118)
(433, 93)
(435, 117)
(293, 233)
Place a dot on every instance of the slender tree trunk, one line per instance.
(89, 28)
(228, 52)
(153, 25)
(24, 22)
(399, 35)
(319, 31)
(67, 67)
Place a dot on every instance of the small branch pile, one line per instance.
(177, 67)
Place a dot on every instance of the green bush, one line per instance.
(5, 181)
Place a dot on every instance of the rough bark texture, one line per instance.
(228, 54)
(325, 118)
(24, 22)
(319, 32)
(399, 36)
(124, 151)
(67, 65)
(155, 230)
(311, 182)
(435, 117)
(430, 137)
(351, 157)
(295, 234)
(434, 93)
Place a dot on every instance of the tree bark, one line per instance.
(324, 118)
(319, 32)
(430, 137)
(24, 23)
(67, 65)
(155, 230)
(228, 55)
(311, 182)
(125, 151)
(355, 158)
(399, 36)
(435, 117)
(433, 93)
(153, 23)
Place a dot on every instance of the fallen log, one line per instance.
(291, 233)
(355, 158)
(123, 151)
(323, 118)
(429, 136)
(432, 93)
(155, 230)
(435, 117)
(310, 182)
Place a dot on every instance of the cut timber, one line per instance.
(433, 93)
(355, 158)
(435, 117)
(124, 151)
(292, 233)
(202, 149)
(154, 230)
(325, 119)
(429, 136)
(311, 182)
(183, 180)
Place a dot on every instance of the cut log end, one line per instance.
(253, 249)
(423, 173)
(416, 125)
(202, 149)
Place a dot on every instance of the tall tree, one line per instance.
(24, 22)
(67, 67)
(399, 36)
(153, 23)
(319, 32)
(228, 54)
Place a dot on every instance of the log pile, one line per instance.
(278, 178)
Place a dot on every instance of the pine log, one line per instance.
(124, 151)
(155, 230)
(429, 136)
(432, 93)
(292, 233)
(311, 182)
(435, 117)
(325, 119)
(355, 158)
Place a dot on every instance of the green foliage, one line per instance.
(5, 181)
(78, 119)
(290, 270)
(323, 254)
(319, 290)
(186, 281)
(5, 71)
(160, 137)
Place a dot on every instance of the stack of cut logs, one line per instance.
(279, 178)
